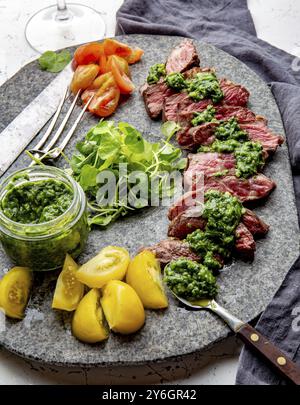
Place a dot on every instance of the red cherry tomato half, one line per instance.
(121, 62)
(89, 53)
(124, 83)
(106, 95)
(135, 56)
(113, 47)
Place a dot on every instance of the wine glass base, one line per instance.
(44, 32)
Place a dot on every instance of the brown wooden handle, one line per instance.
(279, 360)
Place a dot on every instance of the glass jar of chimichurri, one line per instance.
(43, 216)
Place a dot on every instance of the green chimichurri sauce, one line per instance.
(231, 139)
(223, 213)
(36, 202)
(207, 115)
(190, 280)
(204, 85)
(176, 81)
(249, 159)
(156, 72)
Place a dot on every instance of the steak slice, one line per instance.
(193, 137)
(234, 94)
(254, 224)
(172, 104)
(259, 132)
(183, 224)
(241, 114)
(189, 202)
(244, 243)
(172, 249)
(251, 189)
(183, 57)
(154, 96)
(208, 163)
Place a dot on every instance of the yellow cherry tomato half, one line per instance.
(122, 307)
(111, 263)
(14, 291)
(88, 324)
(144, 276)
(83, 77)
(68, 291)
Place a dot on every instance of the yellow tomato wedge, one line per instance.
(110, 263)
(83, 77)
(122, 307)
(88, 323)
(14, 291)
(144, 276)
(68, 291)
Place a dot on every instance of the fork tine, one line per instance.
(42, 141)
(74, 126)
(62, 125)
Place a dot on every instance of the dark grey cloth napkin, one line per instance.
(228, 25)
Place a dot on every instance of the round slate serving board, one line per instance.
(245, 288)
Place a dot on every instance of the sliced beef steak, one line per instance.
(182, 225)
(244, 243)
(183, 57)
(191, 203)
(259, 132)
(213, 165)
(172, 105)
(254, 188)
(191, 138)
(234, 94)
(172, 249)
(154, 96)
(241, 114)
(210, 164)
(254, 224)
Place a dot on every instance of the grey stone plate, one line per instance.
(245, 288)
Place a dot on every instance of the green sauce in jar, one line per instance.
(42, 217)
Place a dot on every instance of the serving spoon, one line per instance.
(250, 337)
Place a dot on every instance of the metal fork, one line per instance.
(250, 336)
(46, 152)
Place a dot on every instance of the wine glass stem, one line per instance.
(62, 11)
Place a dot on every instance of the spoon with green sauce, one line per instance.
(249, 335)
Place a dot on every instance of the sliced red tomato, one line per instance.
(106, 96)
(121, 62)
(102, 63)
(124, 83)
(135, 56)
(83, 77)
(113, 47)
(89, 53)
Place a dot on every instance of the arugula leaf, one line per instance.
(133, 138)
(169, 128)
(54, 62)
(88, 177)
(109, 146)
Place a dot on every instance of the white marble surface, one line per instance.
(276, 21)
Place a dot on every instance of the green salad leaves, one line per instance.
(120, 154)
(54, 62)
